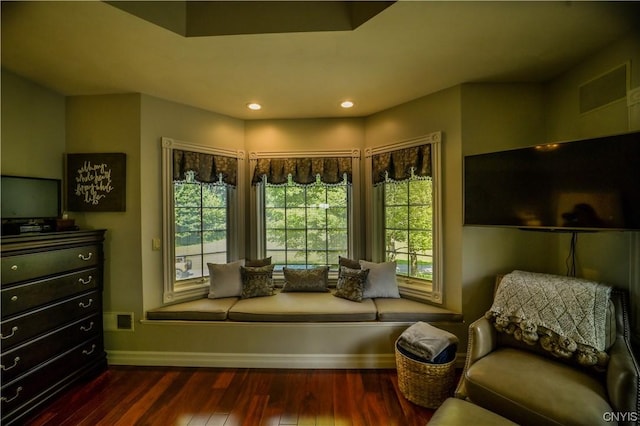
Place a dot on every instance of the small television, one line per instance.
(586, 185)
(29, 199)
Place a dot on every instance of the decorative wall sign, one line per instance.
(96, 182)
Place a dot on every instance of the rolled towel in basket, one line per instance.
(425, 340)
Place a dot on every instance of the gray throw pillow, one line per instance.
(351, 284)
(307, 280)
(257, 282)
(381, 281)
(225, 280)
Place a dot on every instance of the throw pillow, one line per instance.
(381, 281)
(258, 262)
(225, 280)
(257, 282)
(310, 280)
(351, 283)
(349, 263)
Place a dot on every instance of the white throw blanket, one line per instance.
(425, 340)
(572, 308)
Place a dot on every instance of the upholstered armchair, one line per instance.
(531, 385)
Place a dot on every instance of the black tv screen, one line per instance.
(590, 184)
(28, 198)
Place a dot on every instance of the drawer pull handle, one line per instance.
(85, 258)
(14, 298)
(82, 305)
(90, 351)
(13, 331)
(88, 328)
(82, 281)
(15, 363)
(5, 399)
(14, 267)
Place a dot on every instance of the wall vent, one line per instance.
(118, 321)
(604, 89)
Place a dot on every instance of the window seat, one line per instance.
(303, 307)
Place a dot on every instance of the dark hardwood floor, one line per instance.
(230, 397)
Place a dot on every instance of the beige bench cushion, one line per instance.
(399, 310)
(195, 310)
(302, 307)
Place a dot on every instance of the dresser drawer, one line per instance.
(26, 326)
(40, 382)
(23, 267)
(27, 296)
(24, 357)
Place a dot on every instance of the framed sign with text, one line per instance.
(96, 182)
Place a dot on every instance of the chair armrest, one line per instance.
(623, 377)
(482, 341)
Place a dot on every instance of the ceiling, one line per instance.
(402, 52)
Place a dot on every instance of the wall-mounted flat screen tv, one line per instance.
(589, 185)
(29, 198)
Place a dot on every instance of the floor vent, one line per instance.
(118, 321)
(603, 90)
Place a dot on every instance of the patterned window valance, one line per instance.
(207, 168)
(303, 171)
(402, 164)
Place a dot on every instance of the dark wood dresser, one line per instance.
(51, 333)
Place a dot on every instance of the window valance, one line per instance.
(401, 164)
(207, 168)
(303, 171)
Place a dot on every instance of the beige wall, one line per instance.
(33, 128)
(111, 123)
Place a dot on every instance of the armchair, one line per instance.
(528, 385)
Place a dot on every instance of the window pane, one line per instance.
(186, 194)
(214, 196)
(408, 227)
(337, 240)
(296, 259)
(275, 196)
(314, 217)
(296, 218)
(296, 239)
(316, 239)
(295, 196)
(396, 217)
(275, 217)
(419, 217)
(200, 228)
(276, 239)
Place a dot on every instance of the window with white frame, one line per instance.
(406, 219)
(200, 227)
(305, 207)
(306, 225)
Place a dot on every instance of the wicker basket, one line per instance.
(425, 384)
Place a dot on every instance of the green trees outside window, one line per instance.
(408, 226)
(200, 227)
(306, 226)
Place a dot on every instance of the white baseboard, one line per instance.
(241, 360)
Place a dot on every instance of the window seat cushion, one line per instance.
(400, 310)
(302, 307)
(195, 310)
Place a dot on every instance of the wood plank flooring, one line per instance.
(231, 397)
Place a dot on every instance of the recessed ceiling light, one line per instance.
(254, 106)
(346, 104)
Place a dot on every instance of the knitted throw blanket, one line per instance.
(572, 311)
